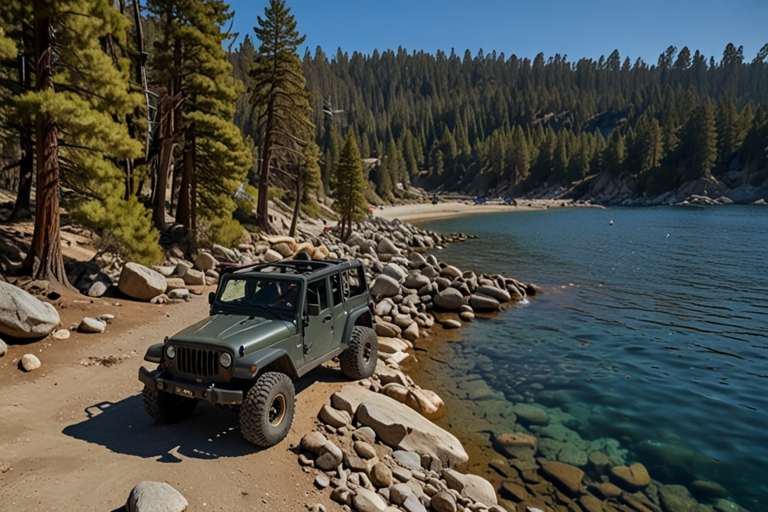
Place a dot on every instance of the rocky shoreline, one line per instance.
(374, 447)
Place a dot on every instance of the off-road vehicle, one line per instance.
(268, 324)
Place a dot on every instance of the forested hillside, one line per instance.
(505, 124)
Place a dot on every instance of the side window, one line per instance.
(317, 294)
(336, 289)
(354, 281)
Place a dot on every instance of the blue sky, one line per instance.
(577, 28)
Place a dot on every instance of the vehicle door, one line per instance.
(318, 329)
(338, 308)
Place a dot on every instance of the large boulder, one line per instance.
(395, 271)
(473, 487)
(155, 497)
(386, 246)
(566, 477)
(480, 302)
(416, 281)
(385, 286)
(402, 427)
(205, 261)
(140, 282)
(450, 299)
(497, 293)
(24, 316)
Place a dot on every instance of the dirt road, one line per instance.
(74, 434)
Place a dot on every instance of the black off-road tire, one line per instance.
(267, 411)
(167, 408)
(358, 361)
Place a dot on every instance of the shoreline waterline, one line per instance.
(631, 362)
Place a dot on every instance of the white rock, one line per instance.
(473, 487)
(394, 271)
(205, 261)
(91, 325)
(179, 293)
(61, 334)
(386, 286)
(368, 501)
(194, 277)
(97, 289)
(24, 316)
(401, 427)
(392, 345)
(141, 283)
(271, 256)
(3, 348)
(155, 497)
(30, 362)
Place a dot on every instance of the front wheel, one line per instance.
(358, 361)
(267, 411)
(167, 408)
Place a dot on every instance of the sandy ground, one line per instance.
(419, 212)
(74, 434)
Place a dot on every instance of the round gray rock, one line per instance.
(387, 247)
(450, 299)
(155, 497)
(386, 286)
(480, 302)
(205, 261)
(3, 348)
(91, 325)
(140, 282)
(24, 316)
(416, 281)
(97, 289)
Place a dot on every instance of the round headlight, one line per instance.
(225, 360)
(170, 351)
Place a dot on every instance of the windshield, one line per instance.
(254, 296)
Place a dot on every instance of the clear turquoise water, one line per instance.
(658, 324)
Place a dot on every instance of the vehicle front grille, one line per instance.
(198, 362)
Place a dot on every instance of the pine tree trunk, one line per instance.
(163, 168)
(187, 169)
(297, 206)
(27, 164)
(44, 260)
(26, 168)
(262, 208)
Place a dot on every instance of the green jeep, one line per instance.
(268, 324)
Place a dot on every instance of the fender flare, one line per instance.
(351, 321)
(154, 353)
(260, 359)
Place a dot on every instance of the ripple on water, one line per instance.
(661, 343)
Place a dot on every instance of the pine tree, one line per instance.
(80, 113)
(350, 186)
(614, 154)
(279, 95)
(699, 142)
(728, 136)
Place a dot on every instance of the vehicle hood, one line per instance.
(234, 331)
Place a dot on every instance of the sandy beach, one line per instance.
(421, 212)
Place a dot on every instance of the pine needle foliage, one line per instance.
(279, 96)
(350, 186)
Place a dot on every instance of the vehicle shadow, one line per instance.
(210, 432)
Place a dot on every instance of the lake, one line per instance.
(652, 330)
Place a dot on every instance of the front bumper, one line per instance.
(157, 379)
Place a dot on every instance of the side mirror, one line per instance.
(313, 310)
(211, 298)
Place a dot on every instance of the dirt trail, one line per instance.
(75, 435)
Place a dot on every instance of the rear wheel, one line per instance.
(358, 361)
(267, 411)
(167, 408)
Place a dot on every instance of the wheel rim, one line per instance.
(367, 352)
(277, 410)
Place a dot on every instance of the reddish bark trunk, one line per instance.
(183, 210)
(262, 208)
(297, 206)
(166, 152)
(44, 260)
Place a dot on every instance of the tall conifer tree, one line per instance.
(279, 95)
